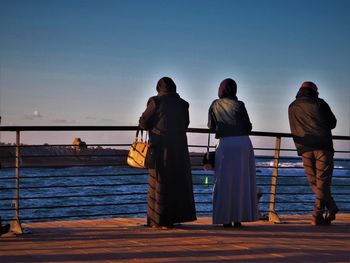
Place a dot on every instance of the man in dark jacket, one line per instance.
(311, 121)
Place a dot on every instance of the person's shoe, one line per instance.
(227, 225)
(318, 221)
(237, 224)
(264, 217)
(170, 226)
(4, 229)
(330, 215)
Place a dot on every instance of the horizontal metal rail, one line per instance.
(52, 195)
(133, 128)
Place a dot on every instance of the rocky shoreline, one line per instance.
(56, 156)
(66, 156)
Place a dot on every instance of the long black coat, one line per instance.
(170, 193)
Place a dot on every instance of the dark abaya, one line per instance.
(170, 192)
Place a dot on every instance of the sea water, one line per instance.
(95, 192)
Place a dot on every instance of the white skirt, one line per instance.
(235, 198)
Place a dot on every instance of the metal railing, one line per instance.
(41, 183)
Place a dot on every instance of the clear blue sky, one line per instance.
(95, 62)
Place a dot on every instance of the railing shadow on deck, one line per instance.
(65, 181)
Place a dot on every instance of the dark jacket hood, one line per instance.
(305, 92)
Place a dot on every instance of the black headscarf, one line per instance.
(228, 89)
(165, 86)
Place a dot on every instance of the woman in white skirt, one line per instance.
(234, 198)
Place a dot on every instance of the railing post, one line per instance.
(15, 222)
(273, 217)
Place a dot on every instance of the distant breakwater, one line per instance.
(55, 156)
(63, 156)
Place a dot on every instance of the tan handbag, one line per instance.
(138, 151)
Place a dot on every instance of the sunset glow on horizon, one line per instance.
(97, 62)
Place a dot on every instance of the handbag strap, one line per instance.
(208, 146)
(140, 131)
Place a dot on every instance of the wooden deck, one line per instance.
(127, 240)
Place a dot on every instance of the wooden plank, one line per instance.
(127, 240)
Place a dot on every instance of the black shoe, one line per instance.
(4, 229)
(330, 215)
(162, 227)
(264, 217)
(227, 225)
(237, 224)
(319, 221)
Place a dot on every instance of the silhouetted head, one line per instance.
(308, 89)
(309, 85)
(166, 85)
(227, 89)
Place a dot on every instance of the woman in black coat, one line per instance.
(170, 192)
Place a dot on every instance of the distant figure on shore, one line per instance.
(311, 121)
(235, 197)
(79, 144)
(170, 191)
